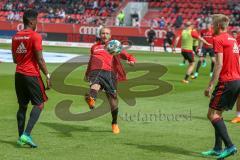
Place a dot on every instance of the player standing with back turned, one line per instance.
(27, 54)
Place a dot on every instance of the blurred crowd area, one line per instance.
(96, 12)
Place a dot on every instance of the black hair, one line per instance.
(29, 15)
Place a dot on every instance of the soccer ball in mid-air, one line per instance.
(114, 47)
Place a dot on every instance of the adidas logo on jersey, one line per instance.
(21, 49)
(235, 48)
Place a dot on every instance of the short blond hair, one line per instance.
(103, 28)
(188, 24)
(221, 20)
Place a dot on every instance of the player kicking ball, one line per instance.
(104, 70)
(227, 72)
(27, 54)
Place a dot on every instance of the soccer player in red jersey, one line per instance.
(237, 119)
(207, 34)
(227, 72)
(103, 72)
(27, 54)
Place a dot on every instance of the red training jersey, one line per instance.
(226, 44)
(24, 44)
(100, 59)
(195, 34)
(207, 34)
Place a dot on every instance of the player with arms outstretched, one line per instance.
(103, 72)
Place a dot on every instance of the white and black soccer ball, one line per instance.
(114, 47)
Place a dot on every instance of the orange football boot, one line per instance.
(185, 81)
(90, 101)
(236, 120)
(115, 129)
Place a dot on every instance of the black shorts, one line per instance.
(188, 56)
(225, 95)
(29, 88)
(106, 79)
(206, 51)
(169, 41)
(150, 40)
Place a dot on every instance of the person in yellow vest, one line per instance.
(195, 46)
(187, 37)
(195, 50)
(121, 18)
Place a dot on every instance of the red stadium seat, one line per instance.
(73, 16)
(190, 9)
(2, 18)
(46, 20)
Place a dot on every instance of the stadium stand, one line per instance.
(62, 11)
(95, 12)
(196, 11)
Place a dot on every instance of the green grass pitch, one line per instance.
(139, 138)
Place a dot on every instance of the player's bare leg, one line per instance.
(189, 72)
(237, 119)
(90, 97)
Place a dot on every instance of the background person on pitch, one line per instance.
(151, 36)
(187, 36)
(27, 54)
(195, 50)
(103, 72)
(168, 38)
(207, 34)
(227, 89)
